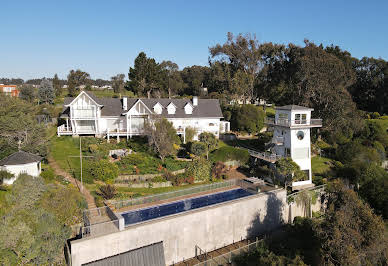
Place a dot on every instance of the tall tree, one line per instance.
(118, 83)
(46, 92)
(145, 76)
(195, 78)
(57, 85)
(27, 93)
(244, 54)
(173, 79)
(19, 128)
(350, 233)
(75, 79)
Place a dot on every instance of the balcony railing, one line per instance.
(294, 123)
(83, 112)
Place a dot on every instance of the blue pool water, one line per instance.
(145, 214)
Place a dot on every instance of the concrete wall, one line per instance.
(209, 228)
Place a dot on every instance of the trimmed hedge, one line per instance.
(228, 153)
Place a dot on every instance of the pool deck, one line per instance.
(194, 195)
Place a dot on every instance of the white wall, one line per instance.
(209, 228)
(32, 169)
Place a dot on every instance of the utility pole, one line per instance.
(80, 159)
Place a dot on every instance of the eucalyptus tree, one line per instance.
(243, 53)
(118, 83)
(75, 79)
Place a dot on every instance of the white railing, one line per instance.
(83, 112)
(267, 156)
(63, 129)
(297, 122)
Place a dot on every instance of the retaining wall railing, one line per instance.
(227, 258)
(173, 194)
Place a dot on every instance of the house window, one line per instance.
(211, 124)
(300, 119)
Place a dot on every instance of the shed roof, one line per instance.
(20, 157)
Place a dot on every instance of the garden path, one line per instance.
(59, 171)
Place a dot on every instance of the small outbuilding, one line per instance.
(21, 163)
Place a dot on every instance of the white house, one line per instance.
(87, 114)
(21, 163)
(291, 137)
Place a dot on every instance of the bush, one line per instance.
(228, 153)
(219, 170)
(107, 191)
(100, 170)
(197, 148)
(5, 175)
(200, 169)
(375, 115)
(48, 174)
(190, 133)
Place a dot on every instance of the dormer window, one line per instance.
(158, 108)
(188, 109)
(171, 108)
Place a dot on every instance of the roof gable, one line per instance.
(90, 95)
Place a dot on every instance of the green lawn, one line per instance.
(63, 147)
(320, 165)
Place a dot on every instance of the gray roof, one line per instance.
(144, 256)
(20, 157)
(114, 107)
(294, 108)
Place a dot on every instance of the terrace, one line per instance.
(300, 123)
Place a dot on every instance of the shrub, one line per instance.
(190, 133)
(158, 179)
(200, 169)
(5, 175)
(197, 148)
(93, 148)
(219, 170)
(375, 115)
(101, 170)
(107, 191)
(228, 153)
(48, 174)
(189, 180)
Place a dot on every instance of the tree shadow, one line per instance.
(268, 219)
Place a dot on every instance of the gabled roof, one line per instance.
(172, 104)
(293, 107)
(139, 101)
(90, 95)
(20, 157)
(206, 108)
(158, 103)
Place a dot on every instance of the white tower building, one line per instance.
(291, 137)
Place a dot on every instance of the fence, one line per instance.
(99, 221)
(227, 258)
(173, 194)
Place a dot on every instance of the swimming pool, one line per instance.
(141, 215)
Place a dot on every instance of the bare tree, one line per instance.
(161, 136)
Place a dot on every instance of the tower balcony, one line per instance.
(306, 123)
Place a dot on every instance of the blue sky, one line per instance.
(41, 38)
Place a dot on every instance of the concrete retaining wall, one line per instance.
(143, 178)
(209, 228)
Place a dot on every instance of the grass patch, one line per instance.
(63, 147)
(320, 165)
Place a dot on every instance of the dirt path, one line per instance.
(59, 171)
